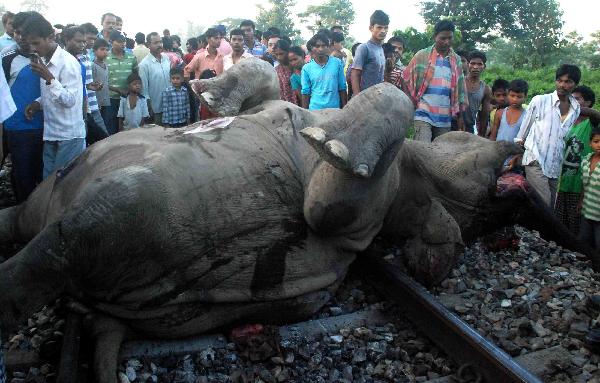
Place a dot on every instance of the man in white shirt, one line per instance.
(236, 39)
(7, 39)
(547, 120)
(61, 98)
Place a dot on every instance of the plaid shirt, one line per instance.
(176, 105)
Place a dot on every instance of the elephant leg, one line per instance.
(109, 334)
(435, 247)
(8, 225)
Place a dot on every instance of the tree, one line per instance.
(2, 11)
(278, 15)
(231, 23)
(328, 14)
(414, 40)
(34, 5)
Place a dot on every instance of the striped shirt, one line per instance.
(176, 105)
(591, 189)
(434, 105)
(544, 132)
(92, 102)
(118, 71)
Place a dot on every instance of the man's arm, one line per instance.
(355, 76)
(306, 88)
(343, 98)
(527, 121)
(64, 90)
(593, 114)
(496, 125)
(484, 115)
(357, 68)
(305, 101)
(342, 86)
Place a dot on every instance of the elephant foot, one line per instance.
(109, 334)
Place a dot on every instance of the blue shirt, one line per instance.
(24, 88)
(323, 83)
(370, 59)
(258, 50)
(176, 105)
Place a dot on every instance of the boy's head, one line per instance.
(388, 50)
(281, 52)
(248, 27)
(499, 92)
(271, 44)
(74, 39)
(337, 39)
(213, 37)
(119, 23)
(101, 49)
(320, 45)
(464, 59)
(154, 43)
(517, 92)
(477, 61)
(91, 33)
(567, 78)
(7, 22)
(595, 139)
(18, 22)
(398, 43)
(443, 34)
(191, 45)
(176, 77)
(117, 41)
(354, 48)
(585, 96)
(296, 57)
(167, 44)
(39, 34)
(274, 32)
(379, 24)
(134, 83)
(236, 40)
(140, 38)
(176, 41)
(166, 32)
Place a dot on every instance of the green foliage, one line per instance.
(278, 15)
(415, 40)
(328, 14)
(541, 81)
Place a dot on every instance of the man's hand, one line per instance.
(95, 86)
(32, 109)
(42, 70)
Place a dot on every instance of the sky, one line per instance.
(579, 15)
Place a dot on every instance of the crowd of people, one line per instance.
(74, 87)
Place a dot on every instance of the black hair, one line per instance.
(444, 26)
(21, 18)
(70, 32)
(99, 43)
(150, 35)
(354, 48)
(274, 31)
(388, 49)
(498, 84)
(298, 51)
(88, 28)
(478, 55)
(212, 32)
(337, 37)
(587, 93)
(208, 73)
(286, 38)
(336, 27)
(463, 54)
(107, 14)
(319, 37)
(266, 35)
(325, 32)
(397, 39)
(193, 41)
(202, 40)
(236, 32)
(258, 34)
(167, 43)
(572, 71)
(518, 86)
(166, 30)
(248, 23)
(595, 132)
(283, 45)
(116, 35)
(7, 16)
(118, 18)
(129, 43)
(380, 17)
(134, 76)
(37, 26)
(176, 71)
(140, 38)
(176, 38)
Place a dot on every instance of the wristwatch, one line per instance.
(48, 82)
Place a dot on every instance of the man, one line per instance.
(479, 95)
(236, 39)
(61, 96)
(141, 50)
(118, 23)
(211, 58)
(368, 68)
(109, 22)
(166, 33)
(225, 47)
(24, 137)
(251, 45)
(7, 39)
(347, 52)
(548, 119)
(396, 75)
(91, 35)
(154, 71)
(120, 65)
(436, 85)
(323, 80)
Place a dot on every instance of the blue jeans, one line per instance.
(25, 148)
(57, 154)
(110, 116)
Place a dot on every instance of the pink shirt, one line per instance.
(203, 61)
(225, 48)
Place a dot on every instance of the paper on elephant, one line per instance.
(207, 126)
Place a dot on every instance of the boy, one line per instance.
(176, 102)
(133, 108)
(499, 93)
(507, 121)
(368, 68)
(100, 76)
(590, 208)
(323, 81)
(577, 147)
(479, 95)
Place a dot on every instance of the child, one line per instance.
(590, 207)
(176, 102)
(133, 108)
(507, 121)
(499, 92)
(296, 58)
(100, 75)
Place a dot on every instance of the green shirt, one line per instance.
(591, 190)
(577, 147)
(118, 71)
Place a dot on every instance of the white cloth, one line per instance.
(7, 104)
(62, 100)
(228, 59)
(544, 141)
(132, 117)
